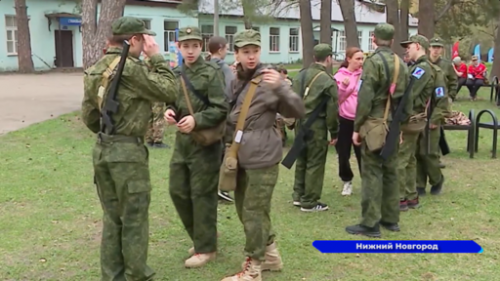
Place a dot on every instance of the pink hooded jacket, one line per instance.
(348, 95)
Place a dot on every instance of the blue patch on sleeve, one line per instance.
(418, 73)
(439, 92)
(360, 82)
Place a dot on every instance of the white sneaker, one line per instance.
(347, 190)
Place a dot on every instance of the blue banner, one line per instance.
(397, 246)
(490, 55)
(70, 21)
(477, 52)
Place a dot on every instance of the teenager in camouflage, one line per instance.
(121, 159)
(310, 166)
(379, 182)
(259, 153)
(194, 169)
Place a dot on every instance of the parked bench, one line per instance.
(493, 125)
(471, 131)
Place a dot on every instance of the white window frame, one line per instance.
(360, 38)
(274, 40)
(294, 45)
(230, 36)
(342, 42)
(206, 34)
(12, 29)
(168, 35)
(371, 48)
(256, 28)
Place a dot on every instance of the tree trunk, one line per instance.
(94, 33)
(25, 62)
(404, 19)
(351, 30)
(325, 34)
(426, 18)
(306, 26)
(248, 12)
(495, 69)
(392, 17)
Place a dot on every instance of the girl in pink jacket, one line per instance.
(348, 77)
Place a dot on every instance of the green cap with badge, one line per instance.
(419, 39)
(130, 26)
(384, 31)
(437, 42)
(189, 33)
(247, 37)
(322, 51)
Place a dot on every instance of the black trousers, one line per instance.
(461, 82)
(474, 85)
(343, 147)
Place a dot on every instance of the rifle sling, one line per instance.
(314, 115)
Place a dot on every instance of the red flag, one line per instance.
(454, 50)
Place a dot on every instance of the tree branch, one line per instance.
(445, 9)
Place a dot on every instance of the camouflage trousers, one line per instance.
(379, 188)
(407, 167)
(428, 163)
(124, 188)
(193, 180)
(252, 197)
(156, 128)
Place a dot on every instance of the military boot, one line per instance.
(413, 204)
(199, 260)
(251, 272)
(421, 191)
(403, 205)
(436, 189)
(273, 259)
(359, 229)
(390, 226)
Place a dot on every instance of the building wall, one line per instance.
(163, 21)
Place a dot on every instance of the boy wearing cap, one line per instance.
(379, 182)
(476, 75)
(194, 168)
(318, 85)
(120, 157)
(259, 152)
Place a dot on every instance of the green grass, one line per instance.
(51, 226)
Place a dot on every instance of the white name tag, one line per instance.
(238, 137)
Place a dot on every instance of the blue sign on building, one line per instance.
(70, 21)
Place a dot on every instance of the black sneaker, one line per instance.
(318, 208)
(359, 229)
(421, 191)
(390, 226)
(436, 189)
(225, 196)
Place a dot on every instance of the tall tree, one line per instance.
(95, 32)
(325, 34)
(24, 59)
(306, 26)
(392, 17)
(426, 18)
(404, 18)
(351, 30)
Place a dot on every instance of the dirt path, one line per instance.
(30, 99)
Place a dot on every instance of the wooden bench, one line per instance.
(471, 131)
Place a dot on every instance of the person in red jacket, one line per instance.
(475, 77)
(461, 71)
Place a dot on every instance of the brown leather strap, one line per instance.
(306, 92)
(186, 96)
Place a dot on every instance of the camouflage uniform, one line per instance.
(156, 129)
(258, 158)
(450, 76)
(379, 189)
(423, 89)
(121, 160)
(310, 166)
(194, 169)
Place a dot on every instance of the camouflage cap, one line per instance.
(130, 26)
(419, 39)
(189, 33)
(384, 31)
(436, 42)
(247, 37)
(321, 51)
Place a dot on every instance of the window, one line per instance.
(256, 28)
(274, 39)
(169, 28)
(294, 40)
(11, 29)
(371, 48)
(207, 31)
(230, 32)
(147, 23)
(342, 41)
(360, 38)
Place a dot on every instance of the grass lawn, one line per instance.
(51, 216)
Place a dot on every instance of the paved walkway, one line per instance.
(29, 99)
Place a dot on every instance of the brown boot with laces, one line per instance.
(251, 272)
